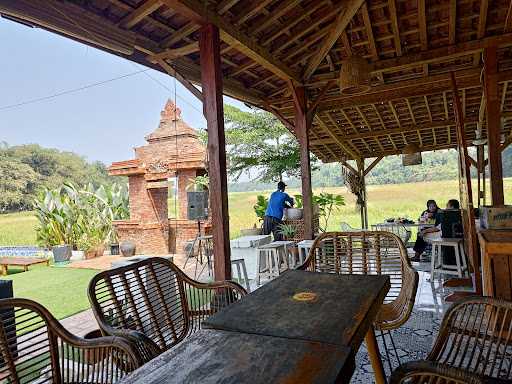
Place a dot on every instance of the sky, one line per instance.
(102, 122)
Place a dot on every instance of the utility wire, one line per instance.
(169, 89)
(69, 91)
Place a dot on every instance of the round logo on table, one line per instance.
(305, 296)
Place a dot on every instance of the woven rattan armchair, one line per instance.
(475, 337)
(35, 348)
(155, 304)
(372, 253)
(428, 372)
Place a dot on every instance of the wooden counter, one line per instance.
(496, 247)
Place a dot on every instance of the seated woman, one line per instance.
(451, 204)
(428, 216)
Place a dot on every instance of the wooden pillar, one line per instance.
(364, 208)
(211, 80)
(480, 169)
(302, 126)
(493, 125)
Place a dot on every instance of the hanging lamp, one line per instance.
(411, 155)
(354, 76)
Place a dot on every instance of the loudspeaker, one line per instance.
(197, 205)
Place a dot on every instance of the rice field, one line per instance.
(384, 201)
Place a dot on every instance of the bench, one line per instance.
(24, 262)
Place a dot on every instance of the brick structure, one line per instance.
(173, 151)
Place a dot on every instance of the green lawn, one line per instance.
(63, 291)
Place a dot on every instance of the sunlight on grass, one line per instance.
(63, 291)
(384, 201)
(18, 229)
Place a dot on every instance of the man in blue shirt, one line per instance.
(274, 213)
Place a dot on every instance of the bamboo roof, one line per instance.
(412, 46)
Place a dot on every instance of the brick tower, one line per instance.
(173, 156)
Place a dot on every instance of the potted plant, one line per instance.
(287, 230)
(86, 244)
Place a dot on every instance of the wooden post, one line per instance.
(493, 125)
(302, 126)
(211, 80)
(466, 192)
(364, 208)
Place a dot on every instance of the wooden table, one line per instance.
(24, 262)
(212, 356)
(342, 313)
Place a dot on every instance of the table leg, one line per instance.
(373, 353)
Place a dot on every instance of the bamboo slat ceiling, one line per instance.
(266, 44)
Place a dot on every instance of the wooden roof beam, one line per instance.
(340, 24)
(197, 12)
(140, 13)
(452, 22)
(482, 20)
(395, 27)
(369, 33)
(175, 53)
(422, 23)
(508, 20)
(337, 140)
(402, 129)
(421, 87)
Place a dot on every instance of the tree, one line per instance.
(17, 185)
(258, 143)
(26, 170)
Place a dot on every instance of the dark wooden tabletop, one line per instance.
(344, 308)
(212, 356)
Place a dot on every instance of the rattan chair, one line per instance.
(35, 348)
(427, 372)
(155, 304)
(372, 253)
(476, 338)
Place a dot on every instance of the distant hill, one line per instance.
(438, 165)
(26, 169)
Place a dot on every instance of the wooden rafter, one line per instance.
(369, 32)
(187, 84)
(344, 17)
(195, 11)
(394, 26)
(283, 8)
(422, 24)
(140, 13)
(508, 20)
(482, 20)
(251, 11)
(372, 165)
(452, 22)
(174, 53)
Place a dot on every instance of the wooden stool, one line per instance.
(304, 248)
(270, 258)
(286, 255)
(436, 262)
(241, 273)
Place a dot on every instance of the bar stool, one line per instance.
(267, 264)
(241, 270)
(304, 248)
(436, 263)
(286, 254)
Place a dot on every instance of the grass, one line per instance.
(384, 201)
(61, 290)
(18, 229)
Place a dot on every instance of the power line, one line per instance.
(169, 89)
(67, 92)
